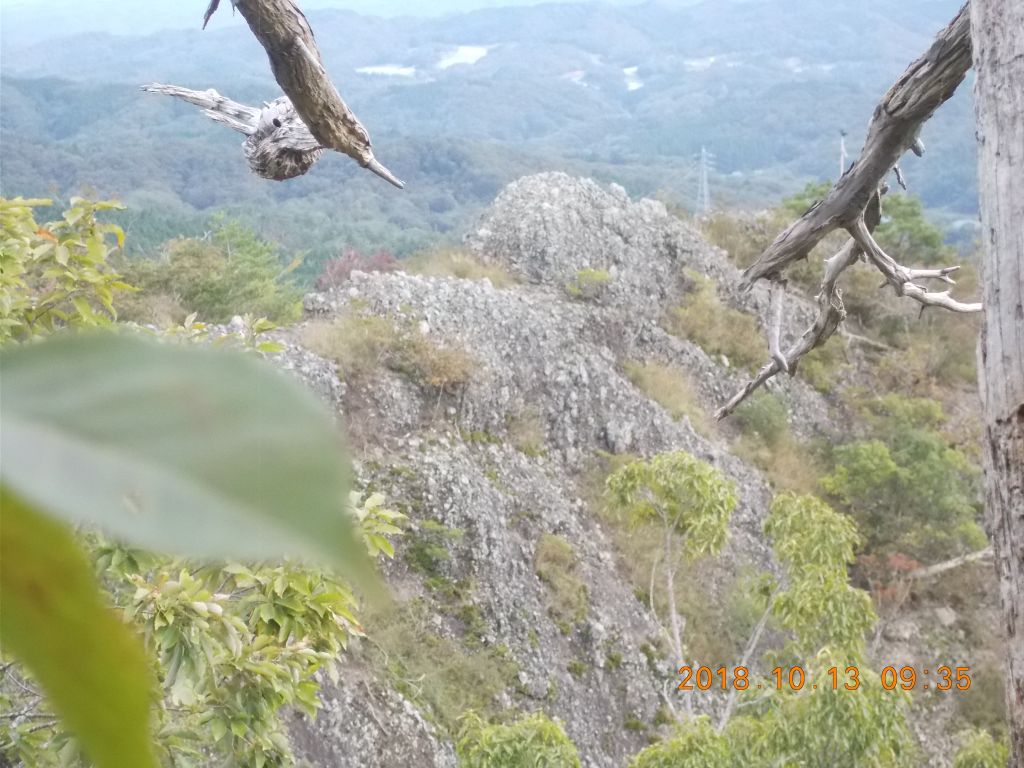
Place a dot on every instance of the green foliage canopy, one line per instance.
(686, 494)
(908, 489)
(533, 741)
(230, 272)
(160, 446)
(827, 619)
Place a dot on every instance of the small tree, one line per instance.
(229, 272)
(691, 502)
(828, 620)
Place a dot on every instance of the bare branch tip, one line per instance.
(378, 168)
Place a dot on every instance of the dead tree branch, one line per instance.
(949, 565)
(924, 87)
(902, 278)
(830, 314)
(289, 134)
(854, 204)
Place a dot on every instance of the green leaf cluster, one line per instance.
(682, 492)
(57, 274)
(909, 490)
(160, 446)
(818, 605)
(696, 745)
(828, 620)
(533, 741)
(905, 234)
(980, 750)
(588, 284)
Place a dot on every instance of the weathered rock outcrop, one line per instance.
(451, 458)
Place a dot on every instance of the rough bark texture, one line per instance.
(853, 205)
(998, 31)
(278, 145)
(291, 132)
(894, 129)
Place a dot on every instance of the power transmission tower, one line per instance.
(703, 206)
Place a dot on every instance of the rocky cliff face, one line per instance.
(455, 461)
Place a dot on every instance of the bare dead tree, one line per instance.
(288, 135)
(988, 34)
(854, 203)
(998, 43)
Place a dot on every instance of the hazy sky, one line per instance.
(28, 21)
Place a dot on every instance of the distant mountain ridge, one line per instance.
(625, 93)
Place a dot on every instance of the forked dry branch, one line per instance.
(853, 204)
(288, 135)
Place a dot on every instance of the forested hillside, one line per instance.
(463, 104)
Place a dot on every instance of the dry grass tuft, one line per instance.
(526, 433)
(673, 390)
(361, 344)
(557, 565)
(717, 328)
(449, 262)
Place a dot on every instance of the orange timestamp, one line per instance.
(907, 678)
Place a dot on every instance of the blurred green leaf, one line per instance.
(183, 450)
(90, 664)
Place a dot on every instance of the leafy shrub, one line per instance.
(673, 390)
(983, 705)
(829, 621)
(557, 565)
(233, 644)
(768, 443)
(448, 262)
(980, 750)
(588, 284)
(908, 489)
(238, 645)
(576, 668)
(428, 547)
(680, 492)
(717, 328)
(337, 271)
(816, 544)
(359, 344)
(230, 272)
(56, 274)
(534, 741)
(905, 234)
(682, 505)
(820, 367)
(696, 745)
(764, 416)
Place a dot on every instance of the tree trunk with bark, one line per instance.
(998, 43)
